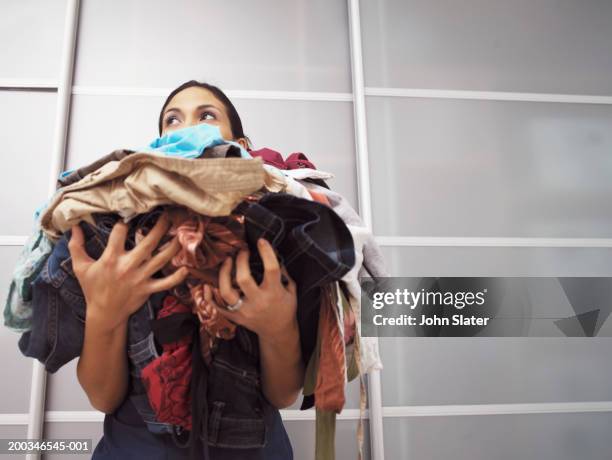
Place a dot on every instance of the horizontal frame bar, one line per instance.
(495, 242)
(237, 94)
(488, 95)
(353, 414)
(12, 240)
(497, 409)
(96, 416)
(24, 84)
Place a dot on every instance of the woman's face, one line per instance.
(197, 105)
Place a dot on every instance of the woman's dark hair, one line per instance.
(232, 113)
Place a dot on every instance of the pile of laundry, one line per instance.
(194, 371)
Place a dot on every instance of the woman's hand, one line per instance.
(268, 309)
(119, 282)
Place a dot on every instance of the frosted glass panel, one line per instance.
(433, 371)
(14, 432)
(508, 261)
(494, 437)
(485, 168)
(31, 32)
(265, 45)
(26, 157)
(495, 370)
(547, 46)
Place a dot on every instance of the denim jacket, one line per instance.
(58, 318)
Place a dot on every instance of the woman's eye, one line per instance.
(170, 120)
(204, 114)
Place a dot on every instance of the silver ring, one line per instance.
(236, 306)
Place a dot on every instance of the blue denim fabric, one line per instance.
(142, 350)
(228, 407)
(125, 438)
(58, 325)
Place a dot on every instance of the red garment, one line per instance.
(298, 160)
(329, 389)
(205, 243)
(295, 160)
(270, 157)
(167, 378)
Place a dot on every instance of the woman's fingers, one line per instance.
(143, 250)
(163, 284)
(116, 239)
(159, 260)
(291, 286)
(234, 316)
(272, 272)
(229, 294)
(76, 246)
(243, 275)
(209, 297)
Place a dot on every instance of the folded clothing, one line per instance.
(141, 181)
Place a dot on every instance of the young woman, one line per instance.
(120, 282)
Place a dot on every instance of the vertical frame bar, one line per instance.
(36, 416)
(365, 207)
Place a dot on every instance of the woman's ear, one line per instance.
(243, 142)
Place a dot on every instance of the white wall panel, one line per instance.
(548, 46)
(478, 261)
(498, 370)
(265, 45)
(31, 33)
(444, 167)
(27, 121)
(494, 437)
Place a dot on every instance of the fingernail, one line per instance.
(261, 241)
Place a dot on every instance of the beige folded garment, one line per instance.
(141, 181)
